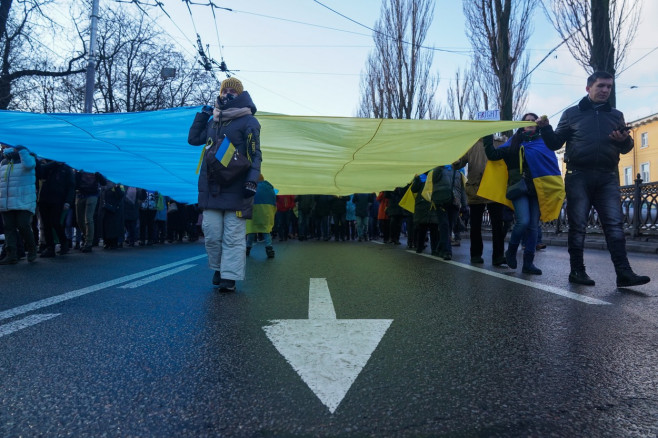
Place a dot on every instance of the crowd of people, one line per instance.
(44, 202)
(49, 209)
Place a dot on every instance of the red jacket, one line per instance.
(285, 202)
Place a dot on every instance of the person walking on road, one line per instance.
(227, 200)
(263, 217)
(516, 153)
(595, 135)
(477, 161)
(18, 201)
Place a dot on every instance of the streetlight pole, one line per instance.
(91, 64)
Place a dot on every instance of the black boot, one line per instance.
(270, 252)
(216, 278)
(528, 265)
(627, 277)
(510, 255)
(10, 257)
(579, 276)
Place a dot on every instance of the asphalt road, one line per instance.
(328, 339)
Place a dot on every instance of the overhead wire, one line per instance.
(459, 52)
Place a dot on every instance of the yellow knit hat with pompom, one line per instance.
(232, 82)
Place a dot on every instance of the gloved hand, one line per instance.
(207, 109)
(249, 189)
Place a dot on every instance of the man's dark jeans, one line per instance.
(587, 188)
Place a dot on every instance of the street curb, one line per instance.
(634, 246)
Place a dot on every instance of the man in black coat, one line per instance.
(595, 135)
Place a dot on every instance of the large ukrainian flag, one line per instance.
(546, 174)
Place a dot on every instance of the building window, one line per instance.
(628, 176)
(645, 139)
(644, 172)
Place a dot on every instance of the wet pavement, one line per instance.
(327, 339)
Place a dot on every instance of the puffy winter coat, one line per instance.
(18, 181)
(586, 129)
(244, 133)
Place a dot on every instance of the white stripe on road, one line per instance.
(26, 322)
(155, 277)
(551, 289)
(320, 305)
(87, 290)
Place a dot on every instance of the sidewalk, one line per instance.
(642, 244)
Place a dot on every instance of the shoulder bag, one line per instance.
(519, 188)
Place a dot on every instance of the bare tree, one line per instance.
(22, 55)
(132, 55)
(597, 32)
(397, 82)
(460, 95)
(498, 31)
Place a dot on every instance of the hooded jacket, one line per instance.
(244, 133)
(18, 182)
(586, 129)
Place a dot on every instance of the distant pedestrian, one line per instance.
(18, 201)
(262, 220)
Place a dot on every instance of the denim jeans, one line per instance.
(526, 215)
(251, 237)
(302, 219)
(587, 188)
(362, 226)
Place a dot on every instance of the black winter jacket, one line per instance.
(58, 184)
(586, 131)
(242, 132)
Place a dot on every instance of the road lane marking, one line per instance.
(26, 322)
(327, 353)
(155, 277)
(89, 289)
(550, 289)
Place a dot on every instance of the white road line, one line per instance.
(551, 289)
(87, 290)
(155, 277)
(320, 305)
(28, 321)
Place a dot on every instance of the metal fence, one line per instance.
(640, 207)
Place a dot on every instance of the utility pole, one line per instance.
(91, 65)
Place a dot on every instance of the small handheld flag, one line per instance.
(225, 152)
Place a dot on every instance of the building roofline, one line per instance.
(644, 120)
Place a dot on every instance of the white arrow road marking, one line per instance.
(155, 277)
(327, 353)
(26, 322)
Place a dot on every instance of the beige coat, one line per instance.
(477, 161)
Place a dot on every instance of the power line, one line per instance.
(638, 60)
(387, 35)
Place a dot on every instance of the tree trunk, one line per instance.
(603, 51)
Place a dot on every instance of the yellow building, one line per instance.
(644, 156)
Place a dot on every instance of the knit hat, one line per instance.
(232, 82)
